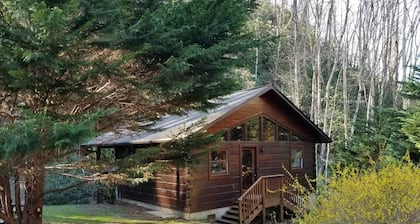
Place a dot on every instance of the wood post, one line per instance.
(264, 192)
(281, 214)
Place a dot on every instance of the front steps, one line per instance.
(231, 216)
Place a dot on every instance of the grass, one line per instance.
(103, 213)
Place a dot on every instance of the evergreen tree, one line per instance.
(411, 123)
(137, 59)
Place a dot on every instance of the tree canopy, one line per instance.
(69, 67)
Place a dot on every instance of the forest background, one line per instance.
(351, 66)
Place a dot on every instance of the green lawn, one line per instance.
(103, 213)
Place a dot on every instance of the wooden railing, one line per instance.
(268, 191)
(294, 193)
(255, 198)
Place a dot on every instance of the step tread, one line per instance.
(227, 216)
(230, 211)
(222, 220)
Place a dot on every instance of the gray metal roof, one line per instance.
(171, 126)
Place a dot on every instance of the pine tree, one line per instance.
(411, 123)
(63, 60)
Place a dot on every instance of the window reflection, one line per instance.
(297, 158)
(237, 133)
(269, 131)
(283, 134)
(253, 129)
(218, 162)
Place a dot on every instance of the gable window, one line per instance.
(218, 162)
(260, 128)
(296, 158)
(282, 133)
(268, 130)
(294, 138)
(237, 133)
(253, 130)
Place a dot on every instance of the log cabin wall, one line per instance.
(168, 190)
(208, 191)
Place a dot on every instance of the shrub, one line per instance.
(390, 195)
(82, 194)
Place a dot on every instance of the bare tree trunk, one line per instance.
(34, 184)
(18, 205)
(296, 68)
(6, 202)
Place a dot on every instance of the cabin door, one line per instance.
(248, 169)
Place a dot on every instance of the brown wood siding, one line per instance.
(209, 192)
(168, 190)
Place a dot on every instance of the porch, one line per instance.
(267, 191)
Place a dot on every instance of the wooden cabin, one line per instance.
(264, 133)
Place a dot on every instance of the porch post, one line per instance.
(282, 199)
(263, 191)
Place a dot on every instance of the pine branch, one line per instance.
(68, 187)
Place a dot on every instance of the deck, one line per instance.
(266, 192)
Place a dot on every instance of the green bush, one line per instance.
(82, 194)
(390, 195)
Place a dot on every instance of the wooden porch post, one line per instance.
(240, 212)
(282, 199)
(264, 191)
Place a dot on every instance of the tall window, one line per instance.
(297, 158)
(260, 129)
(218, 162)
(282, 134)
(269, 130)
(237, 133)
(294, 138)
(253, 129)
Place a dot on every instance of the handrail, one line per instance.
(293, 193)
(254, 197)
(269, 191)
(256, 182)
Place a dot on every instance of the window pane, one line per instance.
(294, 137)
(269, 130)
(297, 158)
(218, 162)
(283, 134)
(237, 133)
(225, 135)
(253, 129)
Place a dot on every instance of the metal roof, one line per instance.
(171, 126)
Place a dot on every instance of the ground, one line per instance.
(105, 213)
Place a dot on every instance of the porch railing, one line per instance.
(267, 191)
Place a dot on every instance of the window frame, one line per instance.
(302, 158)
(226, 163)
(262, 128)
(292, 136)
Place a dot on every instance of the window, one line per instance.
(297, 158)
(294, 138)
(282, 134)
(260, 128)
(218, 162)
(253, 129)
(269, 130)
(237, 133)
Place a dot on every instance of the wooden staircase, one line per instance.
(267, 191)
(231, 216)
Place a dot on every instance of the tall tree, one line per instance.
(139, 59)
